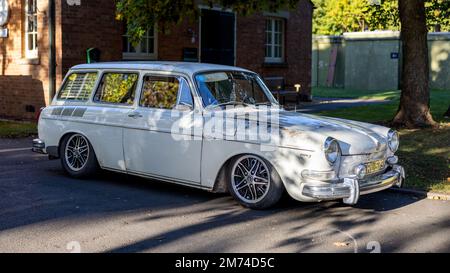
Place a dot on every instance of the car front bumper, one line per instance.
(349, 189)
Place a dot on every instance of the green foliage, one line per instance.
(160, 93)
(118, 88)
(15, 129)
(438, 15)
(141, 15)
(333, 17)
(384, 16)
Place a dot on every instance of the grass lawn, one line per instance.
(440, 100)
(425, 154)
(14, 129)
(355, 94)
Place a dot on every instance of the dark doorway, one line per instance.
(217, 37)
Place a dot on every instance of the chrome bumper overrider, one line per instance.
(350, 189)
(38, 146)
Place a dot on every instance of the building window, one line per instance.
(31, 29)
(274, 40)
(144, 50)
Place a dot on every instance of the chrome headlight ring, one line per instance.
(393, 140)
(332, 150)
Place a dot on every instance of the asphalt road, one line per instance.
(43, 210)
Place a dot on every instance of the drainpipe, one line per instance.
(52, 50)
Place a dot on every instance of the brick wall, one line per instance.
(23, 82)
(172, 42)
(18, 92)
(92, 24)
(250, 50)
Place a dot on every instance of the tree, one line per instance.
(438, 15)
(447, 114)
(338, 16)
(352, 15)
(141, 15)
(333, 17)
(414, 109)
(383, 16)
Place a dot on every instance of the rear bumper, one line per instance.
(38, 146)
(350, 189)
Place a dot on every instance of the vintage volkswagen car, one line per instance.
(166, 121)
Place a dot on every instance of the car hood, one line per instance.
(353, 137)
(309, 132)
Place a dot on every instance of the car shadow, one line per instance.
(50, 195)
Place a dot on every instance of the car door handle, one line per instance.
(135, 115)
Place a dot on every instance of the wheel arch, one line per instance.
(220, 184)
(73, 132)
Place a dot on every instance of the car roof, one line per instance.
(179, 67)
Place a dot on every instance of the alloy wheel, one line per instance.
(250, 179)
(76, 152)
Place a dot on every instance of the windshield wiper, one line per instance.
(233, 103)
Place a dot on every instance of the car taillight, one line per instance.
(38, 113)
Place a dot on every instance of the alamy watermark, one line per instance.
(259, 126)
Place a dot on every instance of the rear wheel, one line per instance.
(254, 183)
(77, 156)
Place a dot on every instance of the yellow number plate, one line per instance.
(375, 166)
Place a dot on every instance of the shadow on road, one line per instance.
(39, 192)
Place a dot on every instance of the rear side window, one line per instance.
(78, 86)
(165, 92)
(117, 88)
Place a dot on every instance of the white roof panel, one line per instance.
(180, 67)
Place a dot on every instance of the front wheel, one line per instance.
(77, 156)
(254, 183)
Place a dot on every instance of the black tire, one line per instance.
(90, 166)
(274, 190)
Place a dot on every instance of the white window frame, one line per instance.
(271, 58)
(33, 53)
(138, 55)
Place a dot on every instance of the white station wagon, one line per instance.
(212, 127)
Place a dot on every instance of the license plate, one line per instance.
(375, 166)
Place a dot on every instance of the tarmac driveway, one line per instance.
(43, 210)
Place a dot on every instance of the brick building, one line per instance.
(41, 39)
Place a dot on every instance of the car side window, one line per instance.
(117, 88)
(165, 92)
(78, 86)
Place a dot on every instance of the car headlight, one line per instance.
(332, 150)
(393, 140)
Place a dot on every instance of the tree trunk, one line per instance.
(447, 114)
(414, 109)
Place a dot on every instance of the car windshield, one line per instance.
(221, 89)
